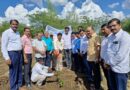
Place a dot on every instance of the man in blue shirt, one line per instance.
(75, 51)
(118, 55)
(83, 51)
(11, 48)
(50, 48)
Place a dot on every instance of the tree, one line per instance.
(5, 25)
(126, 25)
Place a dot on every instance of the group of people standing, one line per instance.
(83, 51)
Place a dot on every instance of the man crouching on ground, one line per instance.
(40, 72)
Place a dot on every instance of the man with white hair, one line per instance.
(50, 47)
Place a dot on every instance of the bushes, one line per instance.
(126, 25)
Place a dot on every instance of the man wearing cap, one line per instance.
(40, 72)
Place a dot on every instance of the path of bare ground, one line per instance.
(68, 77)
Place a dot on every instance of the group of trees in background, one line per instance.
(39, 20)
(126, 25)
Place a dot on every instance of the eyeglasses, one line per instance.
(114, 25)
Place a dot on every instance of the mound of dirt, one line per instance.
(67, 79)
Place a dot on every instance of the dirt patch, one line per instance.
(68, 79)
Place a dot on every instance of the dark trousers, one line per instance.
(48, 59)
(27, 69)
(15, 69)
(81, 63)
(67, 53)
(94, 74)
(118, 80)
(107, 75)
(76, 62)
(85, 65)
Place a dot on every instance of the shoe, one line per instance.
(29, 85)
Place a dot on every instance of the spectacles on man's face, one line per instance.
(114, 25)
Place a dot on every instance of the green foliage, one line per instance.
(96, 23)
(6, 25)
(3, 27)
(126, 25)
(60, 82)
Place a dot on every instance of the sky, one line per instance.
(18, 9)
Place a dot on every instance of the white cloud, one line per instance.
(36, 9)
(91, 10)
(126, 4)
(88, 9)
(20, 13)
(113, 5)
(69, 8)
(39, 3)
(128, 16)
(59, 2)
(115, 14)
(1, 20)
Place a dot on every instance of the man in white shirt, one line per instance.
(106, 35)
(40, 72)
(11, 48)
(39, 47)
(118, 55)
(67, 46)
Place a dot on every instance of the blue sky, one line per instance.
(119, 8)
(104, 4)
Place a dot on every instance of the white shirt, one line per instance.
(11, 41)
(104, 44)
(83, 44)
(40, 45)
(67, 40)
(118, 52)
(39, 69)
